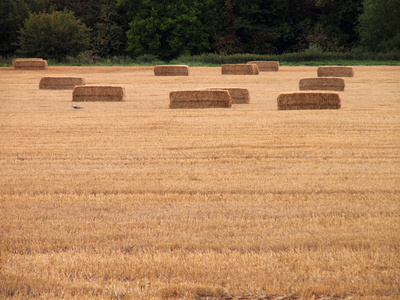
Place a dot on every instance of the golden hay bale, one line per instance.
(171, 70)
(238, 95)
(98, 93)
(322, 84)
(239, 69)
(200, 99)
(29, 64)
(335, 72)
(309, 100)
(60, 83)
(266, 66)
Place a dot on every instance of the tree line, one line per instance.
(166, 29)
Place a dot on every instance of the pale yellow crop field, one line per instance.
(133, 200)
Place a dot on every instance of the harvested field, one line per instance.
(133, 200)
(239, 69)
(335, 72)
(266, 66)
(98, 93)
(238, 95)
(322, 84)
(29, 64)
(60, 83)
(171, 70)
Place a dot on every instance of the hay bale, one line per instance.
(171, 70)
(266, 66)
(238, 95)
(309, 100)
(322, 84)
(239, 69)
(335, 72)
(60, 83)
(98, 93)
(29, 64)
(200, 99)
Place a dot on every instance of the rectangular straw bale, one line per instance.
(200, 99)
(171, 70)
(322, 84)
(266, 66)
(98, 93)
(29, 64)
(60, 83)
(240, 69)
(335, 72)
(238, 95)
(308, 100)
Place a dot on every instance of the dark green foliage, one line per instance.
(279, 26)
(165, 29)
(302, 17)
(12, 16)
(108, 24)
(263, 26)
(380, 25)
(256, 26)
(301, 58)
(336, 27)
(53, 35)
(168, 29)
(226, 40)
(146, 58)
(85, 10)
(108, 36)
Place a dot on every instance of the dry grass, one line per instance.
(266, 66)
(98, 93)
(60, 83)
(335, 72)
(133, 200)
(171, 70)
(239, 69)
(309, 100)
(29, 64)
(200, 99)
(322, 84)
(238, 95)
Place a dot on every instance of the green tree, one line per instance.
(108, 24)
(168, 29)
(380, 25)
(260, 26)
(336, 27)
(108, 36)
(226, 40)
(265, 26)
(302, 16)
(278, 26)
(87, 11)
(53, 35)
(12, 16)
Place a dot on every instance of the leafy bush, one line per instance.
(53, 36)
(300, 58)
(146, 58)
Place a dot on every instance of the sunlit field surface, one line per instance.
(133, 200)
